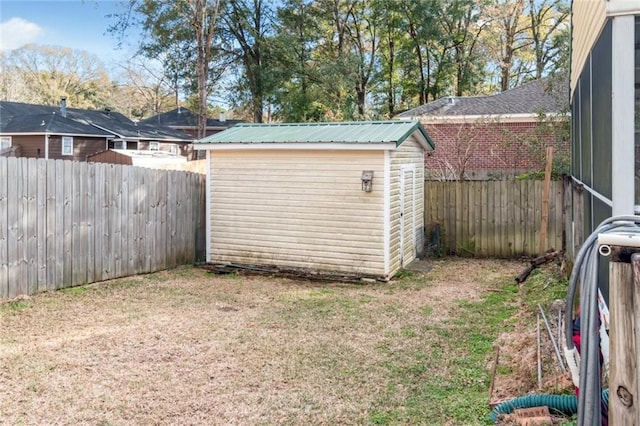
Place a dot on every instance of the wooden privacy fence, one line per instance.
(492, 218)
(65, 223)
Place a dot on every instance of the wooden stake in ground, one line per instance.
(624, 289)
(545, 201)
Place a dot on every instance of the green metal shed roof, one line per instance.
(357, 132)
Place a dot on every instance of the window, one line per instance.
(174, 149)
(154, 146)
(5, 142)
(67, 145)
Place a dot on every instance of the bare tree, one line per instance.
(46, 73)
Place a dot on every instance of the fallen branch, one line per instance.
(550, 255)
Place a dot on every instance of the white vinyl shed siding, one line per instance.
(297, 208)
(409, 153)
(589, 17)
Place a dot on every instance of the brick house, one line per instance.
(495, 136)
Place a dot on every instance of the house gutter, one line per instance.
(487, 118)
(294, 146)
(46, 146)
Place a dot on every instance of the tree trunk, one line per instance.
(390, 91)
(360, 94)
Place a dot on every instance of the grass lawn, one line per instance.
(188, 347)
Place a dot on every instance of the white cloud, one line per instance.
(16, 32)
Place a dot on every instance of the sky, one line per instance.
(77, 24)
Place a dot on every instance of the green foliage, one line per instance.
(311, 60)
(542, 287)
(467, 249)
(76, 291)
(302, 60)
(15, 305)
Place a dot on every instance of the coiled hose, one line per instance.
(585, 278)
(559, 404)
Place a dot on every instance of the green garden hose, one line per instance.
(558, 404)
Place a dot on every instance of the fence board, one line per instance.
(4, 230)
(83, 223)
(89, 196)
(41, 224)
(494, 218)
(117, 221)
(484, 217)
(100, 226)
(511, 219)
(30, 254)
(532, 226)
(51, 225)
(77, 268)
(12, 226)
(477, 215)
(132, 207)
(22, 227)
(141, 200)
(67, 220)
(171, 224)
(505, 219)
(182, 213)
(149, 215)
(518, 221)
(111, 193)
(492, 230)
(498, 223)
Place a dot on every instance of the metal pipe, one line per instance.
(553, 340)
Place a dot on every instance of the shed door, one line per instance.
(407, 214)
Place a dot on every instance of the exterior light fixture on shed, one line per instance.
(367, 180)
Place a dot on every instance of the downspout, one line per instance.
(46, 146)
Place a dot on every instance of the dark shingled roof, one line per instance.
(530, 98)
(51, 123)
(17, 117)
(183, 117)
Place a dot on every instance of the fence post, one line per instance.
(624, 285)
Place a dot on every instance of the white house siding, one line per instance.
(410, 153)
(298, 209)
(589, 17)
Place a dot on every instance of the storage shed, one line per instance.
(327, 197)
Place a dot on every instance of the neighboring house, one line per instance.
(68, 133)
(333, 197)
(186, 121)
(605, 107)
(43, 132)
(480, 137)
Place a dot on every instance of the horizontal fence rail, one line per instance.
(492, 218)
(66, 223)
